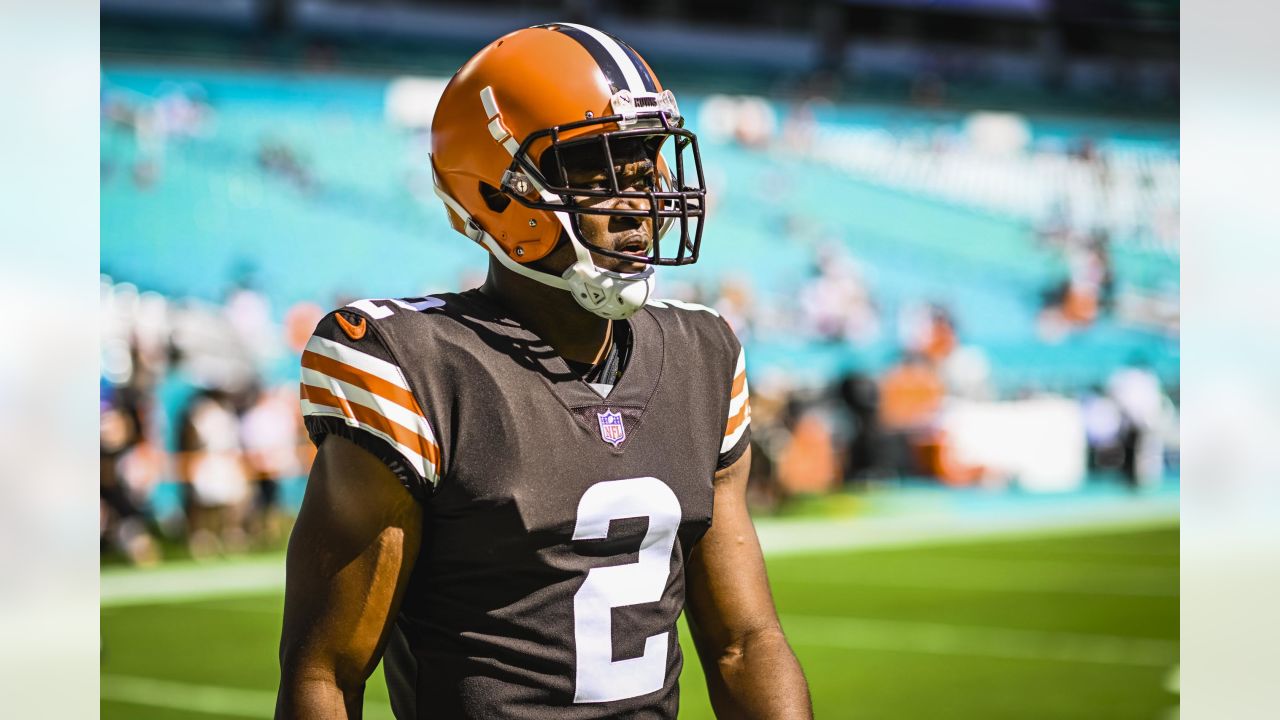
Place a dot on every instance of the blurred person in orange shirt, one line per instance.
(911, 394)
(808, 463)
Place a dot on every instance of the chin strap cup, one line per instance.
(610, 295)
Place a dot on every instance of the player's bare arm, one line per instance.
(751, 671)
(350, 556)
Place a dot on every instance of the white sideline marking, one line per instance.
(973, 641)
(779, 537)
(191, 581)
(208, 699)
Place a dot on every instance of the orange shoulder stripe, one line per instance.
(736, 421)
(739, 381)
(374, 419)
(360, 378)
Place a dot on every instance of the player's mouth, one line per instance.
(636, 243)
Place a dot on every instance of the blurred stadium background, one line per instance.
(947, 232)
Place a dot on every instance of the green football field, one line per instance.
(1082, 625)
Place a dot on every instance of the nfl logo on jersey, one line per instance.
(611, 430)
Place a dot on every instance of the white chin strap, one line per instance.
(608, 294)
(611, 295)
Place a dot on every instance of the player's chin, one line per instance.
(630, 268)
(618, 265)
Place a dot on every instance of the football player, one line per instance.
(519, 488)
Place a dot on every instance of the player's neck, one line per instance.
(550, 313)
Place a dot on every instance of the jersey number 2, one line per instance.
(599, 677)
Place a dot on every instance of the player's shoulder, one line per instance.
(693, 322)
(383, 327)
(687, 314)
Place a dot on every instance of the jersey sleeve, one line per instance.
(737, 427)
(353, 387)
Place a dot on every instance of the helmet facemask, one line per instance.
(676, 196)
(577, 175)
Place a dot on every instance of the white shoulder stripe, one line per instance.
(420, 464)
(629, 73)
(732, 439)
(359, 396)
(363, 361)
(736, 403)
(682, 305)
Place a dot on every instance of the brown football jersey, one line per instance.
(557, 522)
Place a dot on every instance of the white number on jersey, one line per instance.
(377, 312)
(599, 677)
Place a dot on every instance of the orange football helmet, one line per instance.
(503, 132)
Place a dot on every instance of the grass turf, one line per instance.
(1052, 627)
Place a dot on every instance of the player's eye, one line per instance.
(643, 177)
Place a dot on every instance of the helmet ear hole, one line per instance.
(494, 198)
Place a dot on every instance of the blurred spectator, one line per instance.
(268, 433)
(807, 462)
(1104, 427)
(217, 480)
(860, 398)
(248, 311)
(1136, 390)
(835, 303)
(770, 432)
(181, 112)
(300, 321)
(124, 524)
(911, 394)
(278, 158)
(928, 330)
(173, 375)
(1087, 292)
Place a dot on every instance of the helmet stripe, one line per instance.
(650, 85)
(613, 61)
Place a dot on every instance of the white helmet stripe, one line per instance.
(634, 82)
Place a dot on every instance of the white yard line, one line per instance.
(206, 699)
(191, 582)
(972, 641)
(978, 584)
(986, 574)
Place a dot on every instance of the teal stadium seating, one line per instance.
(369, 226)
